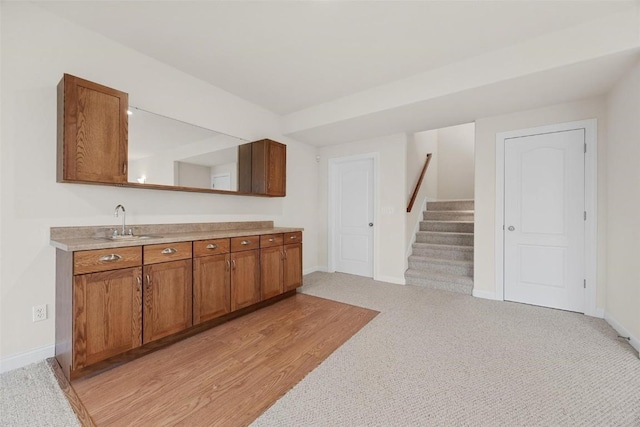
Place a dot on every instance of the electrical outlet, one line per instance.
(39, 312)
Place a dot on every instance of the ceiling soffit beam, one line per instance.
(608, 35)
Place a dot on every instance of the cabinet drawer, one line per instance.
(293, 237)
(210, 247)
(246, 243)
(106, 259)
(154, 254)
(269, 240)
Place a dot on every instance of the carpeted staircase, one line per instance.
(442, 256)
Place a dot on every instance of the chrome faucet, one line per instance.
(124, 217)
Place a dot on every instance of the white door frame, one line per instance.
(590, 200)
(331, 241)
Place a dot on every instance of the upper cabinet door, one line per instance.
(92, 132)
(269, 168)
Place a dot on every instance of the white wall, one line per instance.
(37, 48)
(456, 161)
(192, 175)
(389, 245)
(485, 179)
(623, 197)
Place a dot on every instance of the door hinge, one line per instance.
(585, 215)
(585, 147)
(585, 283)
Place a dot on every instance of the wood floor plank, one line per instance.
(228, 375)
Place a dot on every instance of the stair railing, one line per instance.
(419, 183)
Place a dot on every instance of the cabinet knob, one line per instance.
(110, 258)
(169, 251)
(212, 246)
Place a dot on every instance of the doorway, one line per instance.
(351, 214)
(545, 212)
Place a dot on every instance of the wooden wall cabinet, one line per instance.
(262, 168)
(211, 279)
(93, 145)
(92, 132)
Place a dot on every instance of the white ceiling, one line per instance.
(287, 56)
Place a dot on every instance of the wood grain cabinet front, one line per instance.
(245, 279)
(167, 299)
(269, 168)
(107, 312)
(292, 266)
(92, 132)
(211, 279)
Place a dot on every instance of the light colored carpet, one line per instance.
(434, 358)
(30, 396)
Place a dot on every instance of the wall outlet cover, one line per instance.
(39, 312)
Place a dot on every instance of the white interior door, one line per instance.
(544, 220)
(353, 216)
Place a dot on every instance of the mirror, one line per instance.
(166, 151)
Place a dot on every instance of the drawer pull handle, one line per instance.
(110, 258)
(169, 251)
(212, 246)
(245, 242)
(272, 239)
(292, 237)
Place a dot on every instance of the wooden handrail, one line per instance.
(419, 183)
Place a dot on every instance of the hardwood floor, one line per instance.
(226, 376)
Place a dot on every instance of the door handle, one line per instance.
(370, 224)
(511, 228)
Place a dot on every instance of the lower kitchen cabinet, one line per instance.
(107, 314)
(167, 299)
(271, 271)
(292, 266)
(245, 279)
(211, 287)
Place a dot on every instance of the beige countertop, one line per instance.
(88, 238)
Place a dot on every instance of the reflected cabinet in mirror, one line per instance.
(103, 140)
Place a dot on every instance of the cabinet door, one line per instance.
(211, 287)
(108, 315)
(92, 132)
(245, 279)
(277, 169)
(292, 266)
(271, 271)
(268, 168)
(167, 299)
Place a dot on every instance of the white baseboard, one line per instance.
(621, 330)
(314, 269)
(485, 295)
(28, 357)
(391, 279)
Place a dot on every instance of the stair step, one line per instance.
(451, 226)
(438, 265)
(445, 238)
(447, 282)
(451, 205)
(436, 215)
(454, 252)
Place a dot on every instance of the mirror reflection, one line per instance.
(166, 151)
